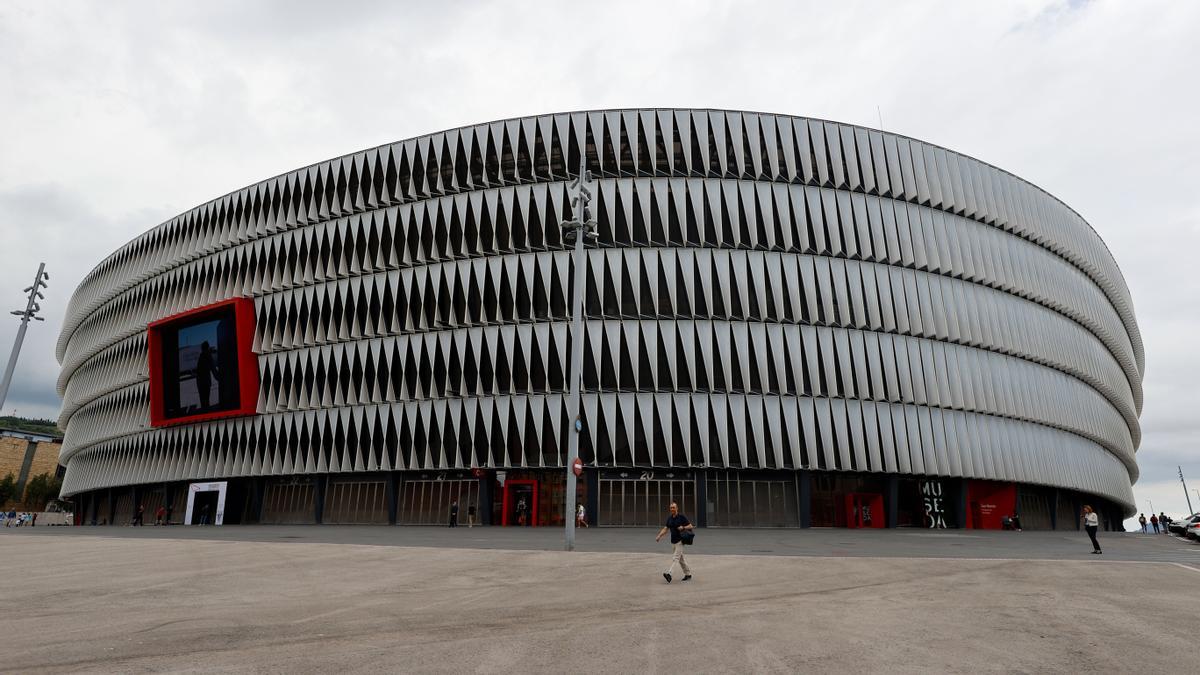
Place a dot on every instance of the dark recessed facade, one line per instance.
(789, 322)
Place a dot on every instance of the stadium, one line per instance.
(789, 322)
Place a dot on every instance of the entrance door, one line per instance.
(427, 501)
(520, 504)
(204, 508)
(864, 510)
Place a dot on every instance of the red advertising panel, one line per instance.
(202, 364)
(988, 502)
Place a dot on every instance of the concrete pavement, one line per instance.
(75, 602)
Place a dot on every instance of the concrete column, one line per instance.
(392, 497)
(112, 505)
(23, 474)
(319, 497)
(258, 491)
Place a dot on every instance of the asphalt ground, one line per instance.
(837, 542)
(377, 599)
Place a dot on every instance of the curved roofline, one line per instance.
(1129, 323)
(602, 110)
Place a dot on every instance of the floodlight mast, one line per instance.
(580, 226)
(1181, 480)
(30, 312)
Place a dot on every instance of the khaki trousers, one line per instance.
(677, 557)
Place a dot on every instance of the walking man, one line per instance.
(454, 513)
(1154, 522)
(1091, 523)
(676, 523)
(1142, 522)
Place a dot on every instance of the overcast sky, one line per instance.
(117, 116)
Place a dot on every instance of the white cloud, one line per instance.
(119, 116)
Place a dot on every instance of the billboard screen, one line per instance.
(201, 364)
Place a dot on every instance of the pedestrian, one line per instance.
(1154, 522)
(1164, 522)
(1091, 523)
(471, 516)
(581, 516)
(677, 523)
(1142, 522)
(33, 521)
(139, 515)
(159, 514)
(12, 515)
(454, 513)
(522, 511)
(204, 514)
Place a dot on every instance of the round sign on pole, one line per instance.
(577, 466)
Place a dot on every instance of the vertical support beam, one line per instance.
(804, 496)
(593, 506)
(112, 505)
(319, 497)
(392, 498)
(23, 474)
(258, 492)
(701, 515)
(892, 502)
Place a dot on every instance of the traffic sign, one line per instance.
(577, 467)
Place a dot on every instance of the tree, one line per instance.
(41, 489)
(8, 489)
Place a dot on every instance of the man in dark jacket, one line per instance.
(676, 524)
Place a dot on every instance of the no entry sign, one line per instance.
(577, 466)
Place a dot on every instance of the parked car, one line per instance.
(1180, 526)
(1193, 529)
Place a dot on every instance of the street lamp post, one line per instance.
(30, 312)
(580, 226)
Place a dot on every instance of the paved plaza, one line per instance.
(377, 599)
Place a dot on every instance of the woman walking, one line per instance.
(1091, 523)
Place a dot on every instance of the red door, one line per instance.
(514, 492)
(864, 510)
